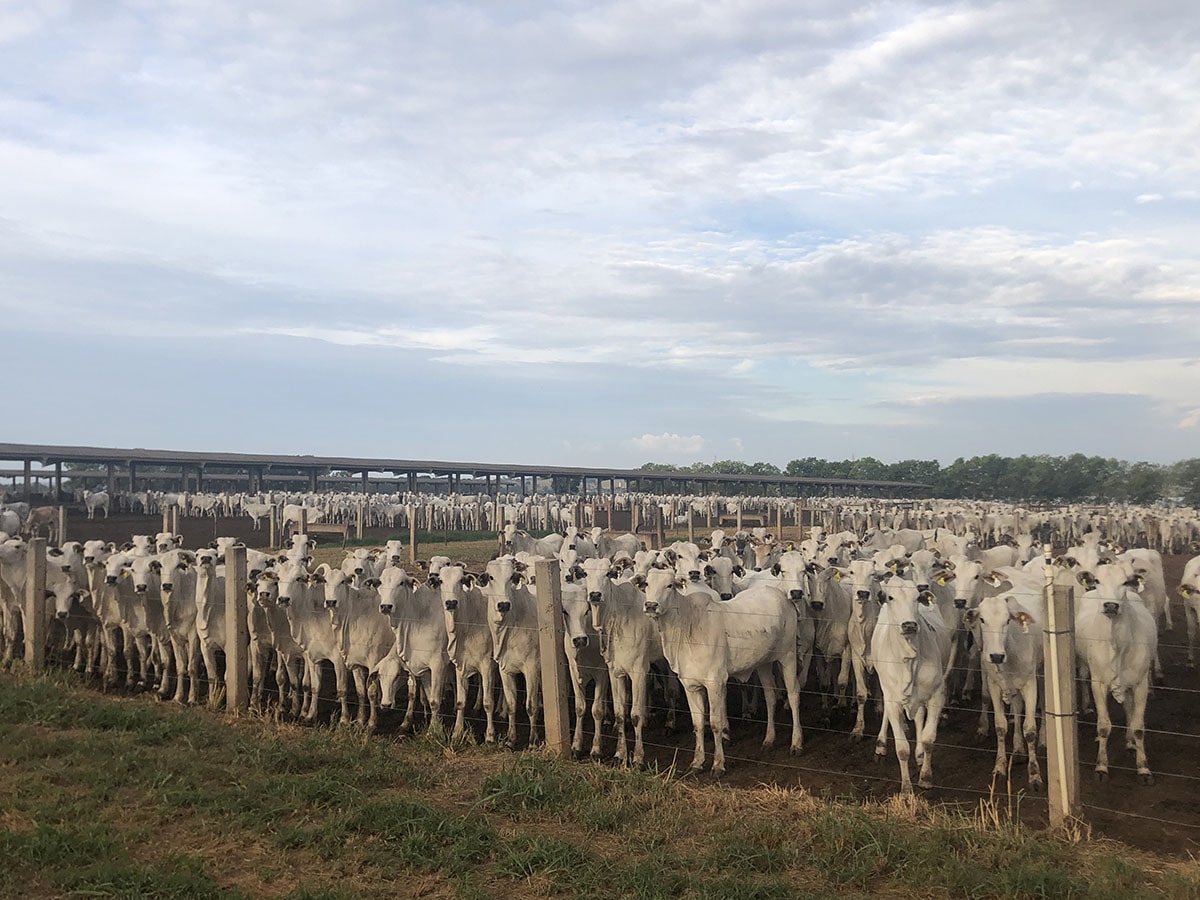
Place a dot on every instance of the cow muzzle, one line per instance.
(908, 628)
(595, 597)
(997, 658)
(864, 595)
(61, 614)
(1111, 608)
(726, 596)
(141, 588)
(960, 603)
(817, 605)
(284, 602)
(331, 604)
(694, 575)
(504, 606)
(922, 588)
(110, 579)
(385, 608)
(580, 642)
(451, 605)
(796, 594)
(168, 587)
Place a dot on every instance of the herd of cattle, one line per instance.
(947, 606)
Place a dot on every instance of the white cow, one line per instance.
(863, 580)
(910, 649)
(1115, 642)
(364, 633)
(177, 583)
(630, 645)
(512, 617)
(469, 643)
(581, 642)
(95, 500)
(1189, 590)
(708, 641)
(1007, 627)
(416, 615)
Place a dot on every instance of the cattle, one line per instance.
(210, 612)
(831, 608)
(95, 500)
(291, 582)
(417, 619)
(581, 643)
(1007, 627)
(630, 645)
(910, 649)
(177, 584)
(141, 613)
(42, 518)
(747, 635)
(312, 627)
(516, 541)
(1115, 642)
(365, 635)
(72, 610)
(257, 512)
(393, 553)
(10, 523)
(1189, 590)
(882, 538)
(360, 564)
(863, 580)
(608, 545)
(1149, 566)
(468, 643)
(512, 617)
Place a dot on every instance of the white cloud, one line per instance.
(672, 444)
(1149, 198)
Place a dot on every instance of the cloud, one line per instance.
(1149, 198)
(672, 444)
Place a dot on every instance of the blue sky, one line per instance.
(602, 233)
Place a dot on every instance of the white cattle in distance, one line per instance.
(708, 641)
(94, 500)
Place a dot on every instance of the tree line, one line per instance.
(1042, 479)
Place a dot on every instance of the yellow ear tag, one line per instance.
(942, 582)
(837, 576)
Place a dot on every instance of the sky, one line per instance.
(602, 233)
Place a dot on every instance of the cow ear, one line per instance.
(970, 617)
(639, 581)
(776, 569)
(925, 597)
(739, 571)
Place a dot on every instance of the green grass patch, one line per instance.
(113, 796)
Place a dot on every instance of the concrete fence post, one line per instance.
(553, 657)
(36, 618)
(412, 532)
(273, 526)
(359, 524)
(62, 525)
(237, 631)
(691, 522)
(1061, 724)
(659, 526)
(739, 514)
(302, 525)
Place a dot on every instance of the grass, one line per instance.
(109, 796)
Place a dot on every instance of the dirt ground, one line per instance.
(1164, 817)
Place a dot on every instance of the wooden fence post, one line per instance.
(237, 631)
(166, 518)
(691, 522)
(553, 657)
(36, 619)
(273, 526)
(1061, 725)
(412, 532)
(739, 514)
(62, 525)
(659, 527)
(302, 525)
(359, 520)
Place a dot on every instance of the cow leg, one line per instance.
(487, 678)
(791, 682)
(718, 717)
(1029, 695)
(533, 702)
(461, 688)
(599, 701)
(179, 651)
(437, 689)
(927, 735)
(211, 673)
(508, 684)
(895, 716)
(257, 670)
(620, 703)
(860, 694)
(579, 688)
(360, 689)
(143, 652)
(343, 689)
(1000, 715)
(193, 669)
(985, 693)
(695, 698)
(315, 677)
(766, 677)
(1136, 728)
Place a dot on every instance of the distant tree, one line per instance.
(764, 468)
(1185, 481)
(657, 467)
